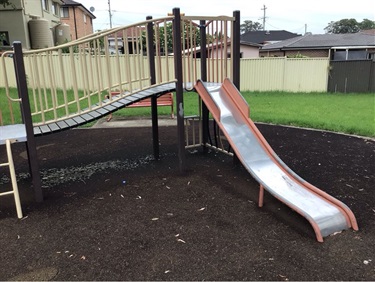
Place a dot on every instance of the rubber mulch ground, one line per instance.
(111, 212)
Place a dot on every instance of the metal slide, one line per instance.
(326, 214)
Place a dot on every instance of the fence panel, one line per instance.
(306, 75)
(257, 74)
(284, 74)
(350, 76)
(262, 74)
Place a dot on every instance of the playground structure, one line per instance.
(68, 85)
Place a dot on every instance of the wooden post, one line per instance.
(205, 112)
(32, 157)
(236, 58)
(154, 106)
(179, 88)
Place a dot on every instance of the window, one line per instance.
(55, 8)
(350, 54)
(4, 38)
(84, 18)
(45, 5)
(64, 12)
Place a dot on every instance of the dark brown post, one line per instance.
(154, 106)
(205, 112)
(179, 87)
(236, 58)
(32, 157)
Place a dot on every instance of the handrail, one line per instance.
(94, 36)
(6, 78)
(73, 78)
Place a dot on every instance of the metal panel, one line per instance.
(284, 74)
(306, 75)
(350, 76)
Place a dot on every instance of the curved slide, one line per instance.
(325, 213)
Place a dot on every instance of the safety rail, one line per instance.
(74, 78)
(216, 138)
(193, 131)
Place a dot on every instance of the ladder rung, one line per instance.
(6, 193)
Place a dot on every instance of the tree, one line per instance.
(5, 3)
(250, 26)
(349, 26)
(159, 33)
(367, 24)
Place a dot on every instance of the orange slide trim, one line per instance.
(232, 92)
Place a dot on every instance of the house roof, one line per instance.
(369, 31)
(260, 37)
(131, 32)
(323, 41)
(71, 3)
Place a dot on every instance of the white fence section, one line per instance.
(258, 74)
(284, 74)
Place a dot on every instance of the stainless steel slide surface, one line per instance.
(326, 214)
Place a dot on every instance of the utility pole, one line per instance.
(264, 16)
(110, 13)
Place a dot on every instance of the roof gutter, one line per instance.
(353, 47)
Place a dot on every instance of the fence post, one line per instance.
(179, 87)
(154, 106)
(32, 157)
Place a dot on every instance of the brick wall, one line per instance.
(308, 53)
(79, 27)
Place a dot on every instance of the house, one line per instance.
(78, 18)
(264, 37)
(116, 41)
(31, 22)
(216, 50)
(348, 46)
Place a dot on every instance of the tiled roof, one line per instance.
(324, 41)
(70, 3)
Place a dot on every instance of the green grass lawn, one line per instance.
(349, 113)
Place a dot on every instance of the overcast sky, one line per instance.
(290, 15)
